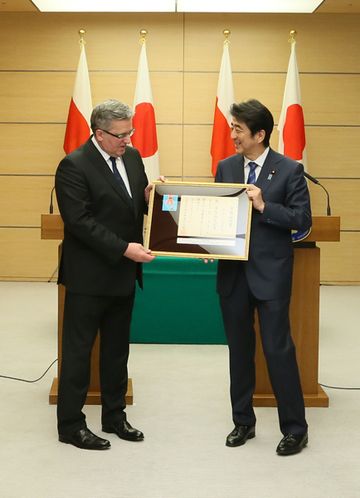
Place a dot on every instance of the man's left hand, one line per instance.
(149, 188)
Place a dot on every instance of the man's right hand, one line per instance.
(138, 253)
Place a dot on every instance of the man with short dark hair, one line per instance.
(280, 200)
(102, 193)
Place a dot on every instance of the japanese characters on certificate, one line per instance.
(208, 217)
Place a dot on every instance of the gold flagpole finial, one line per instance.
(226, 33)
(82, 36)
(293, 34)
(143, 33)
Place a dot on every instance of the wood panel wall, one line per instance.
(38, 58)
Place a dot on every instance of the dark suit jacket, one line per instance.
(99, 221)
(287, 206)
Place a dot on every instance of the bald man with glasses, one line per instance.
(102, 192)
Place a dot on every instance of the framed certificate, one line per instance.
(205, 220)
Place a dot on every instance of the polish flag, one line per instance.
(145, 137)
(78, 122)
(291, 122)
(221, 144)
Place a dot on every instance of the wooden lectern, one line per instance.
(52, 228)
(304, 317)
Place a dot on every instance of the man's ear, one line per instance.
(98, 135)
(261, 136)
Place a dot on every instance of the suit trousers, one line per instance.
(238, 310)
(84, 316)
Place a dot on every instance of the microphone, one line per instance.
(51, 207)
(316, 181)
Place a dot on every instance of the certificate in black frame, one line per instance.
(161, 232)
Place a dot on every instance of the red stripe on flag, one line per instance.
(77, 129)
(222, 145)
(144, 138)
(294, 132)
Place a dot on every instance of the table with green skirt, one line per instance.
(179, 303)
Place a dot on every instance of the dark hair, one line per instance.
(256, 117)
(106, 112)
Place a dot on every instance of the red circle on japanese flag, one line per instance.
(294, 132)
(144, 138)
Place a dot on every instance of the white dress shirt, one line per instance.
(119, 164)
(259, 161)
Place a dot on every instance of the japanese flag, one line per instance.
(145, 136)
(222, 145)
(291, 122)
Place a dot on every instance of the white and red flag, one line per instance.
(78, 122)
(221, 143)
(145, 136)
(291, 125)
(291, 122)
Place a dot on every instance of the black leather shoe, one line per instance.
(240, 434)
(85, 439)
(124, 431)
(291, 444)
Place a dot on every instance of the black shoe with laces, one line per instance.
(292, 444)
(239, 435)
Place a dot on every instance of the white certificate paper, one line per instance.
(208, 217)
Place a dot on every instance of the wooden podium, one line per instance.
(52, 228)
(304, 317)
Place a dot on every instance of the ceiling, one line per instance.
(328, 6)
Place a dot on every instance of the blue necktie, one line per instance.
(117, 174)
(252, 175)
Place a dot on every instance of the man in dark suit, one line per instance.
(280, 199)
(102, 193)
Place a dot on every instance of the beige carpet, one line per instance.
(182, 405)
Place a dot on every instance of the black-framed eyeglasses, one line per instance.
(119, 135)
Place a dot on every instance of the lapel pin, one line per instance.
(272, 173)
